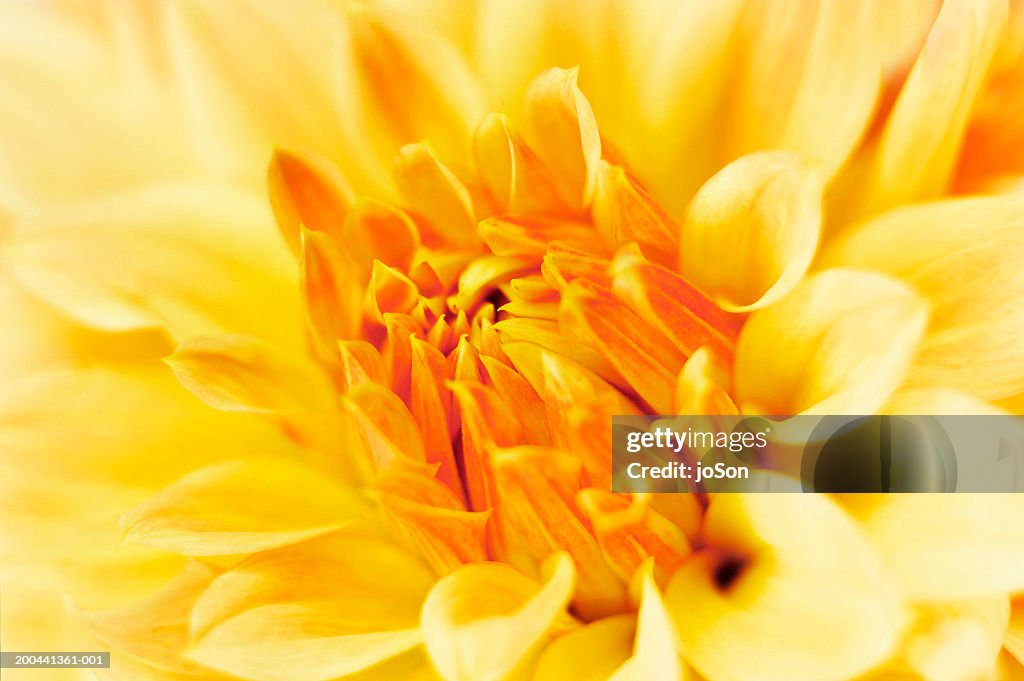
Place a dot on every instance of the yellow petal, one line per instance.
(915, 161)
(751, 231)
(654, 654)
(307, 190)
(950, 546)
(242, 507)
(285, 615)
(957, 641)
(962, 256)
(591, 653)
(787, 588)
(840, 343)
(242, 373)
(156, 630)
(390, 291)
(808, 79)
(546, 335)
(433, 192)
(191, 259)
(481, 621)
(560, 128)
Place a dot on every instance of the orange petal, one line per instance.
(530, 236)
(630, 532)
(563, 265)
(535, 515)
(389, 291)
(307, 190)
(389, 416)
(446, 535)
(360, 363)
(431, 406)
(332, 291)
(240, 373)
(521, 398)
(638, 350)
(437, 195)
(624, 212)
(376, 230)
(483, 275)
(547, 335)
(669, 302)
(515, 179)
(560, 128)
(486, 422)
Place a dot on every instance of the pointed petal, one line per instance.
(916, 161)
(840, 343)
(638, 350)
(482, 620)
(666, 300)
(332, 290)
(751, 231)
(241, 373)
(654, 654)
(515, 179)
(809, 84)
(546, 335)
(307, 190)
(535, 514)
(376, 230)
(962, 255)
(788, 588)
(624, 212)
(206, 514)
(560, 128)
(437, 195)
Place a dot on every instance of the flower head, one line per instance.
(399, 465)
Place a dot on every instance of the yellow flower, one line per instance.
(398, 466)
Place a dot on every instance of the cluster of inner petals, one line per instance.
(485, 327)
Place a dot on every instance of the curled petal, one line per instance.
(591, 653)
(242, 373)
(515, 179)
(751, 231)
(376, 230)
(560, 128)
(482, 620)
(841, 343)
(204, 513)
(654, 653)
(791, 568)
(963, 256)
